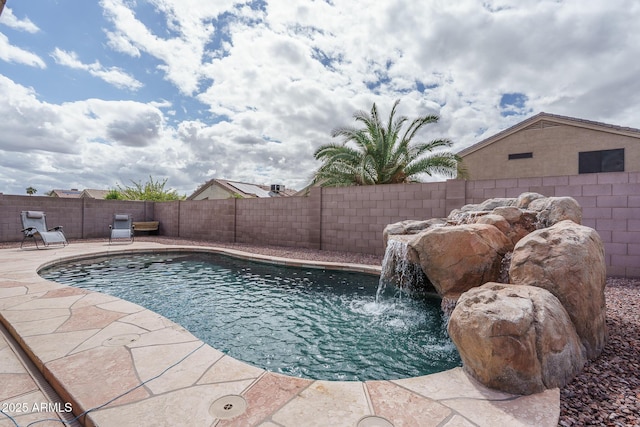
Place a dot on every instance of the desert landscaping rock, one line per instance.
(516, 339)
(555, 209)
(456, 259)
(567, 259)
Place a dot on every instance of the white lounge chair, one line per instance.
(122, 228)
(34, 225)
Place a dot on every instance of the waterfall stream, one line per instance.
(397, 270)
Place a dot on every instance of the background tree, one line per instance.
(151, 190)
(31, 191)
(381, 153)
(113, 194)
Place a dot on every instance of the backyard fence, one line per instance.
(349, 219)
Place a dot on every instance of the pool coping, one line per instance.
(92, 348)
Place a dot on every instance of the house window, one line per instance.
(601, 161)
(520, 156)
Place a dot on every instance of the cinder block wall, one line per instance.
(610, 204)
(98, 215)
(212, 220)
(80, 218)
(281, 221)
(353, 217)
(348, 219)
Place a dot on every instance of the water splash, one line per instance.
(398, 271)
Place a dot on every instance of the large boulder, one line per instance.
(567, 259)
(409, 227)
(456, 259)
(552, 210)
(513, 222)
(517, 339)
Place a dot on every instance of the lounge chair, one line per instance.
(34, 225)
(122, 228)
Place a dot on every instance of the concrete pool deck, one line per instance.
(115, 363)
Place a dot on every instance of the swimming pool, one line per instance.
(309, 323)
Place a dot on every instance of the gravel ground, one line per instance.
(606, 393)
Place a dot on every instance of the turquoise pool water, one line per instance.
(304, 322)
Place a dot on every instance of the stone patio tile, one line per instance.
(186, 407)
(109, 335)
(169, 335)
(12, 291)
(458, 421)
(404, 408)
(325, 403)
(89, 317)
(13, 301)
(42, 419)
(18, 316)
(5, 284)
(41, 326)
(64, 292)
(93, 298)
(50, 347)
(265, 397)
(452, 383)
(533, 410)
(9, 363)
(38, 285)
(151, 361)
(35, 413)
(227, 369)
(15, 385)
(96, 376)
(122, 306)
(48, 303)
(148, 320)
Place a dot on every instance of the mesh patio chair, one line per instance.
(34, 225)
(121, 229)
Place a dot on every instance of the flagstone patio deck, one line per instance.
(115, 363)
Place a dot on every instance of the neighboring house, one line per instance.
(67, 194)
(77, 194)
(553, 145)
(94, 194)
(225, 189)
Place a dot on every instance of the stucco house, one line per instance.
(77, 194)
(74, 193)
(553, 145)
(225, 189)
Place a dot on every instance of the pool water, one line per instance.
(309, 323)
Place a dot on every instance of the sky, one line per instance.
(105, 93)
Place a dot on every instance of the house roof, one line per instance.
(542, 120)
(68, 194)
(94, 194)
(243, 188)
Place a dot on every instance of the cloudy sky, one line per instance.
(95, 94)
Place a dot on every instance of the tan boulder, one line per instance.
(525, 199)
(513, 222)
(517, 339)
(567, 259)
(458, 258)
(409, 226)
(552, 210)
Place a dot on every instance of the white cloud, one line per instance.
(113, 75)
(14, 54)
(277, 76)
(9, 19)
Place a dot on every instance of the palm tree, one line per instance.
(31, 191)
(380, 154)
